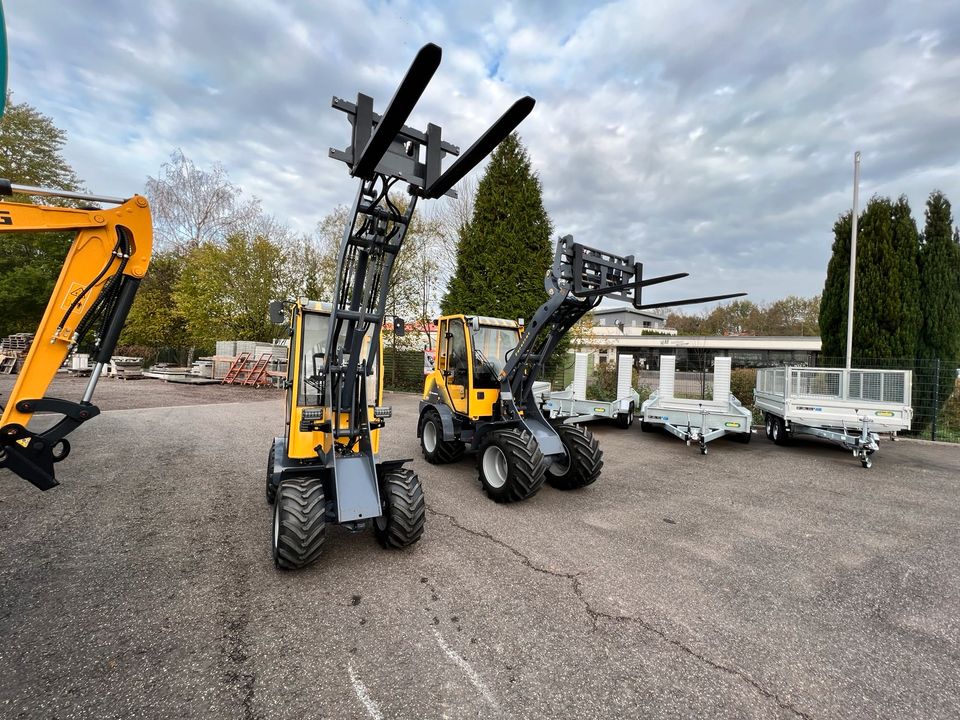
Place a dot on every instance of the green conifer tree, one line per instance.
(940, 290)
(505, 250)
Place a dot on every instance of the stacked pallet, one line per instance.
(13, 351)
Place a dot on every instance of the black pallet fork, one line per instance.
(384, 153)
(578, 280)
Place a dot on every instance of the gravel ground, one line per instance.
(754, 582)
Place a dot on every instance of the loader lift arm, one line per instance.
(385, 153)
(94, 292)
(578, 280)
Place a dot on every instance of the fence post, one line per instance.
(936, 398)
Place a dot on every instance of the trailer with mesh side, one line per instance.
(852, 408)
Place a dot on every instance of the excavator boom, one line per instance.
(97, 284)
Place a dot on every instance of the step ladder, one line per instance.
(8, 364)
(238, 367)
(258, 375)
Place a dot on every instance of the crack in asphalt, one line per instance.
(597, 615)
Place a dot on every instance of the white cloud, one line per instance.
(711, 138)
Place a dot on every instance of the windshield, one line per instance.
(313, 346)
(494, 343)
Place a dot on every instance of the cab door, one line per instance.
(453, 361)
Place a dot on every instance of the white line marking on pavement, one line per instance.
(361, 690)
(467, 668)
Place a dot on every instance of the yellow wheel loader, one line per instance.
(480, 395)
(326, 467)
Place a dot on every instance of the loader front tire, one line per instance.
(404, 509)
(581, 466)
(511, 465)
(299, 523)
(436, 450)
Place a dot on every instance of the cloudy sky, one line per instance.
(713, 138)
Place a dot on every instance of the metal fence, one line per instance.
(403, 370)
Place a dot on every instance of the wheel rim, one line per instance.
(276, 525)
(559, 468)
(429, 436)
(495, 467)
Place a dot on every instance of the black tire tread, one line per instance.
(586, 458)
(302, 507)
(405, 508)
(525, 462)
(447, 451)
(271, 459)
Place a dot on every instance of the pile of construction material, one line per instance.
(245, 362)
(13, 351)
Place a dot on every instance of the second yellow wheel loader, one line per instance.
(480, 394)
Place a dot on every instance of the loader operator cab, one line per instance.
(471, 354)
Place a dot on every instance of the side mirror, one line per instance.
(475, 323)
(277, 315)
(399, 327)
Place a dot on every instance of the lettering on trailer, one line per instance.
(5, 218)
(812, 409)
(76, 289)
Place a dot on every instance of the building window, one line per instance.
(646, 323)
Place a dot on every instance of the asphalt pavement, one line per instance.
(753, 582)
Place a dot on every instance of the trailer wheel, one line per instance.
(647, 427)
(625, 420)
(299, 523)
(768, 425)
(583, 462)
(404, 509)
(511, 465)
(436, 450)
(271, 460)
(779, 431)
(744, 437)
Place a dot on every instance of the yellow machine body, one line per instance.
(471, 354)
(305, 409)
(90, 262)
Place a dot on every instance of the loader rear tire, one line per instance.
(583, 462)
(299, 523)
(511, 465)
(404, 509)
(271, 488)
(436, 450)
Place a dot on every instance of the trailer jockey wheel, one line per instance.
(404, 509)
(299, 523)
(511, 465)
(583, 461)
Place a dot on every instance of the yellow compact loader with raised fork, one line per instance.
(326, 467)
(480, 394)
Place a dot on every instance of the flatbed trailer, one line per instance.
(692, 420)
(849, 407)
(571, 405)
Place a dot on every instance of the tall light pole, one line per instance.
(853, 254)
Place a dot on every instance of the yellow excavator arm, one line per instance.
(100, 276)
